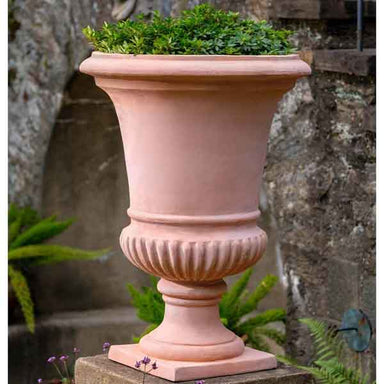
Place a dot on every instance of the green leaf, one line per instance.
(329, 367)
(18, 219)
(51, 254)
(257, 342)
(29, 217)
(262, 290)
(13, 229)
(287, 360)
(229, 303)
(149, 304)
(266, 317)
(23, 295)
(328, 343)
(277, 336)
(40, 232)
(13, 213)
(201, 30)
(147, 330)
(341, 372)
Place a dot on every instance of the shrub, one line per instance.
(203, 30)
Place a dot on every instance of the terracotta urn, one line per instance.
(195, 132)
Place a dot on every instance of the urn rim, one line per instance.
(115, 65)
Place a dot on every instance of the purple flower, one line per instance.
(154, 365)
(199, 382)
(39, 381)
(76, 350)
(137, 364)
(51, 359)
(146, 360)
(106, 346)
(63, 358)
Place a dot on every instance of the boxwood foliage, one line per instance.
(202, 30)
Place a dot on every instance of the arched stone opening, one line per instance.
(85, 178)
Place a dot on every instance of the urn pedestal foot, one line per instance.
(191, 329)
(191, 342)
(250, 360)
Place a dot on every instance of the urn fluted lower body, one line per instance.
(195, 133)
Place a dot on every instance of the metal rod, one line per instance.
(346, 329)
(360, 14)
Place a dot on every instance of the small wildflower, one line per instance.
(199, 382)
(52, 359)
(146, 360)
(154, 365)
(137, 364)
(76, 350)
(106, 346)
(63, 358)
(39, 381)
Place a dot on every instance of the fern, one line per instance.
(277, 336)
(43, 230)
(149, 304)
(328, 368)
(230, 301)
(339, 370)
(234, 305)
(13, 213)
(258, 294)
(256, 341)
(26, 232)
(150, 328)
(23, 295)
(51, 254)
(13, 229)
(327, 343)
(266, 317)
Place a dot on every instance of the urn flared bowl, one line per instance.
(195, 131)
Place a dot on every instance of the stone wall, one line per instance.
(320, 180)
(319, 177)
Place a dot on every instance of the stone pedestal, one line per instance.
(100, 370)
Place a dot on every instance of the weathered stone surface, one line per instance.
(321, 9)
(60, 333)
(320, 180)
(43, 52)
(348, 61)
(100, 370)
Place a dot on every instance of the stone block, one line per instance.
(349, 61)
(100, 370)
